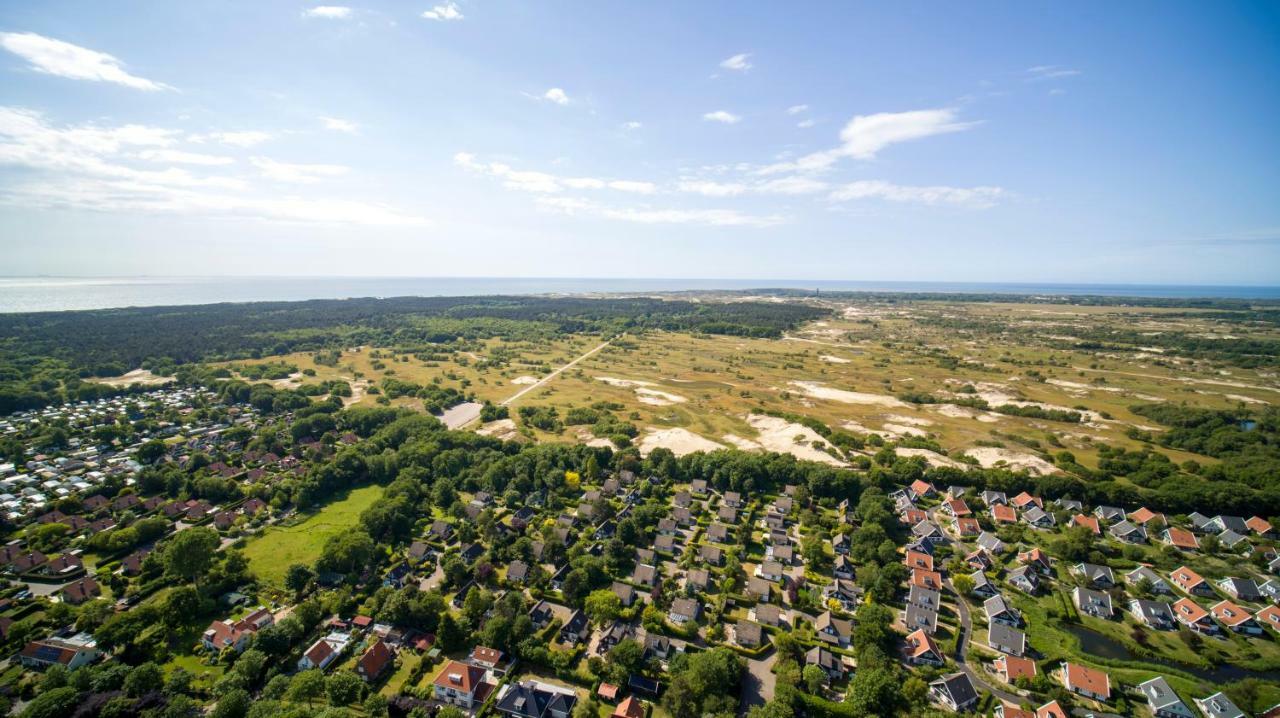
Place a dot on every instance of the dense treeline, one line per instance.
(44, 357)
(1086, 300)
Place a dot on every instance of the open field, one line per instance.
(271, 553)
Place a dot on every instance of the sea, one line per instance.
(49, 294)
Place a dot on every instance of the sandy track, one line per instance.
(516, 396)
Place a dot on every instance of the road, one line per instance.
(509, 400)
(962, 658)
(759, 682)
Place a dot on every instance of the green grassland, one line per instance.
(272, 552)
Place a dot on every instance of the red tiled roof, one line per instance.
(460, 677)
(375, 660)
(1089, 679)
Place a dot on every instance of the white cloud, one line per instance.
(556, 95)
(709, 188)
(797, 109)
(88, 167)
(244, 138)
(300, 173)
(1049, 72)
(55, 57)
(966, 197)
(545, 183)
(723, 116)
(658, 215)
(631, 125)
(178, 157)
(866, 135)
(805, 124)
(782, 186)
(328, 12)
(338, 125)
(447, 11)
(739, 63)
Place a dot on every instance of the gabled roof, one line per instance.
(1084, 678)
(460, 677)
(921, 643)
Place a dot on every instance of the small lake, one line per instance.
(1103, 646)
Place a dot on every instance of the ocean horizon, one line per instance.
(51, 293)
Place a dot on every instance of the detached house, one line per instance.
(954, 691)
(1180, 538)
(1191, 615)
(1091, 602)
(1163, 701)
(458, 683)
(836, 631)
(1086, 681)
(922, 650)
(1235, 618)
(1154, 614)
(999, 610)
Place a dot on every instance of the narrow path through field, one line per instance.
(511, 399)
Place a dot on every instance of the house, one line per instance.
(1269, 616)
(699, 487)
(374, 661)
(979, 560)
(397, 576)
(1095, 575)
(1191, 615)
(954, 691)
(718, 532)
(1038, 560)
(576, 629)
(645, 575)
(657, 646)
(843, 568)
(541, 614)
(518, 571)
(1218, 524)
(918, 559)
(485, 657)
(1218, 705)
(684, 610)
(1011, 668)
(923, 596)
(221, 635)
(1038, 518)
(617, 632)
(924, 618)
(769, 570)
(967, 526)
(1128, 532)
(733, 499)
(923, 489)
(926, 579)
(1003, 514)
(624, 592)
(457, 684)
(1180, 538)
(1163, 701)
(1154, 614)
(768, 614)
(1256, 524)
(1235, 618)
(846, 592)
(982, 586)
(324, 651)
(1109, 514)
(1243, 589)
(1086, 681)
(991, 498)
(999, 610)
(665, 543)
(535, 699)
(727, 514)
(759, 589)
(715, 556)
(1007, 639)
(70, 652)
(957, 508)
(829, 662)
(747, 634)
(1146, 517)
(1091, 602)
(630, 707)
(1069, 504)
(1190, 581)
(1232, 540)
(922, 650)
(1024, 500)
(1144, 573)
(990, 543)
(1052, 709)
(928, 532)
(442, 530)
(699, 578)
(78, 592)
(836, 631)
(1024, 579)
(1089, 522)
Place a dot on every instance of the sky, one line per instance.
(1102, 142)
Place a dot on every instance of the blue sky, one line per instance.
(1077, 142)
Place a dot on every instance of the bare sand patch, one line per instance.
(1245, 399)
(910, 420)
(653, 397)
(933, 458)
(989, 456)
(904, 430)
(834, 359)
(524, 380)
(585, 436)
(741, 442)
(630, 383)
(817, 390)
(961, 412)
(137, 377)
(358, 390)
(785, 437)
(679, 440)
(504, 429)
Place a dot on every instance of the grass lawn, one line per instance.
(272, 552)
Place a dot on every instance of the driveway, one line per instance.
(759, 682)
(962, 657)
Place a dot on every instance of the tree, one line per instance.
(190, 553)
(297, 577)
(603, 605)
(343, 688)
(56, 703)
(963, 584)
(875, 691)
(143, 679)
(150, 451)
(813, 677)
(306, 686)
(233, 704)
(346, 552)
(179, 606)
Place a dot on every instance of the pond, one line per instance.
(1104, 646)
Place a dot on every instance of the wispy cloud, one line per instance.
(794, 185)
(296, 173)
(329, 12)
(55, 57)
(866, 135)
(88, 167)
(966, 197)
(658, 215)
(797, 109)
(1049, 72)
(556, 95)
(339, 125)
(631, 125)
(805, 124)
(444, 13)
(722, 116)
(546, 183)
(240, 138)
(738, 63)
